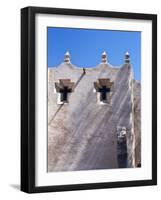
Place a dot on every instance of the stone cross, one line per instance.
(103, 86)
(64, 87)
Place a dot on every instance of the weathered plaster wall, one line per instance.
(137, 121)
(82, 135)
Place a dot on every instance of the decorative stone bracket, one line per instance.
(121, 134)
(121, 147)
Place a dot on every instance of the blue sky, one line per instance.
(87, 45)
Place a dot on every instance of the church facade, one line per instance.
(94, 116)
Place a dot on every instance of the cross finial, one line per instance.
(127, 57)
(67, 57)
(104, 57)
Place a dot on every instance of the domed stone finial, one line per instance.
(127, 57)
(67, 57)
(104, 57)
